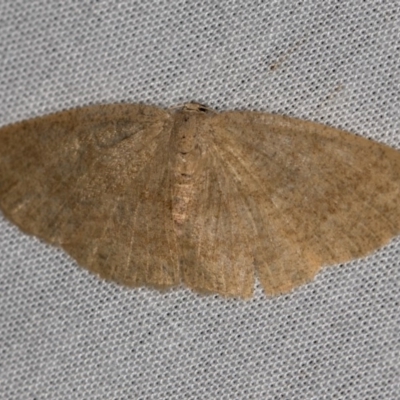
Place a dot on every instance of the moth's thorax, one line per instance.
(188, 142)
(187, 129)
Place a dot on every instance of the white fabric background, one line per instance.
(64, 334)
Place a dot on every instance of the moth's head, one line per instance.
(194, 107)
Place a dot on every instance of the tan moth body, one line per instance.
(145, 196)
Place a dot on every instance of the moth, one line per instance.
(146, 196)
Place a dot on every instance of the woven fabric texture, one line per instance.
(64, 334)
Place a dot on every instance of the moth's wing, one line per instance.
(217, 253)
(95, 181)
(317, 195)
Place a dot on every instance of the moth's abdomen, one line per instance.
(185, 174)
(185, 164)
